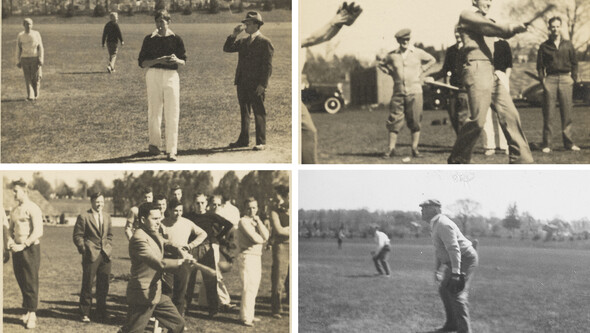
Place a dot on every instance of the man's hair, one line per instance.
(113, 14)
(249, 200)
(200, 194)
(176, 187)
(162, 13)
(159, 197)
(212, 197)
(145, 209)
(283, 191)
(19, 182)
(555, 18)
(174, 203)
(95, 195)
(147, 189)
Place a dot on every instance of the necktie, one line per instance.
(100, 222)
(250, 39)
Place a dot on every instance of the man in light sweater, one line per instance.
(29, 57)
(459, 258)
(250, 237)
(381, 252)
(177, 232)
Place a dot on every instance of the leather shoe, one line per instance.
(389, 154)
(171, 157)
(259, 147)
(85, 319)
(153, 150)
(416, 153)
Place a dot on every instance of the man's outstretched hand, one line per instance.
(347, 14)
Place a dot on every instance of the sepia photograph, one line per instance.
(443, 251)
(202, 81)
(136, 251)
(437, 82)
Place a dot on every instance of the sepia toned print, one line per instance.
(172, 251)
(471, 81)
(164, 91)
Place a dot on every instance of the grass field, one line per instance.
(359, 136)
(518, 287)
(86, 115)
(61, 278)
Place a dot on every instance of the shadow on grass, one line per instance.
(144, 156)
(13, 100)
(82, 73)
(360, 276)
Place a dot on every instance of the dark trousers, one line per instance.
(250, 101)
(457, 304)
(138, 316)
(485, 89)
(278, 275)
(26, 270)
(175, 286)
(99, 269)
(204, 255)
(558, 87)
(309, 138)
(380, 260)
(458, 110)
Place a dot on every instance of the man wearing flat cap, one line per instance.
(252, 74)
(458, 257)
(406, 66)
(24, 231)
(29, 57)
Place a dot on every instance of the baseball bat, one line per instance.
(442, 85)
(540, 14)
(534, 76)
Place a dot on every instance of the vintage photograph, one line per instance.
(162, 251)
(146, 81)
(443, 251)
(457, 81)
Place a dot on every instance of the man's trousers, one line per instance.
(309, 138)
(250, 266)
(250, 101)
(380, 260)
(26, 271)
(558, 87)
(204, 254)
(138, 316)
(163, 91)
(457, 304)
(278, 276)
(485, 89)
(32, 72)
(101, 270)
(112, 48)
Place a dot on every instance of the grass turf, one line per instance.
(518, 287)
(359, 136)
(61, 277)
(85, 114)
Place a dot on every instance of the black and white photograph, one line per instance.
(437, 82)
(443, 251)
(203, 81)
(136, 251)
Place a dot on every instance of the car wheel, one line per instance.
(332, 105)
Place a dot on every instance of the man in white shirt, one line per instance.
(29, 57)
(381, 252)
(459, 258)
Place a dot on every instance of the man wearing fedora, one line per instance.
(406, 66)
(458, 259)
(254, 69)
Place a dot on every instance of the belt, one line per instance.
(560, 73)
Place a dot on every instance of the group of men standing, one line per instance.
(167, 247)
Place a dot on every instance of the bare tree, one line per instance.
(464, 210)
(512, 220)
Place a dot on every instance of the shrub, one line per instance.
(187, 10)
(130, 11)
(267, 5)
(69, 11)
(99, 11)
(214, 6)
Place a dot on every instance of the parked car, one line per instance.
(324, 97)
(534, 94)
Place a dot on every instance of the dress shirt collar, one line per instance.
(434, 220)
(168, 33)
(410, 48)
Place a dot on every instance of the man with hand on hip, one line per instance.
(93, 237)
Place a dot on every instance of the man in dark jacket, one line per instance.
(93, 237)
(254, 69)
(111, 34)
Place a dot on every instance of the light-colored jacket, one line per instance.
(147, 265)
(250, 236)
(448, 242)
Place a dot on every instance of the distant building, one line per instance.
(50, 213)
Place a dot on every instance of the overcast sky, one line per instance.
(71, 177)
(545, 194)
(432, 22)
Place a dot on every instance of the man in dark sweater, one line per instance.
(216, 228)
(111, 34)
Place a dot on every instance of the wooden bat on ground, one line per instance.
(540, 14)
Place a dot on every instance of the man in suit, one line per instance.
(254, 69)
(144, 289)
(458, 258)
(93, 237)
